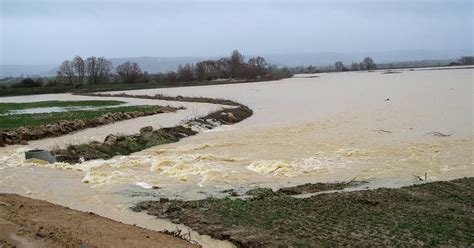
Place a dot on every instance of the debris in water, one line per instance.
(177, 233)
(40, 154)
(144, 185)
(437, 134)
(382, 131)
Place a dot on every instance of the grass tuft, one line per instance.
(20, 120)
(5, 107)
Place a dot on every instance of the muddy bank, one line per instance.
(307, 188)
(170, 98)
(23, 134)
(434, 214)
(114, 145)
(26, 222)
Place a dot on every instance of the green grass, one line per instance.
(16, 121)
(5, 107)
(421, 215)
(11, 91)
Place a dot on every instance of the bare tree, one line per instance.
(311, 69)
(212, 69)
(172, 76)
(146, 76)
(66, 72)
(236, 64)
(339, 66)
(228, 67)
(200, 71)
(368, 64)
(257, 66)
(258, 62)
(467, 60)
(98, 69)
(355, 66)
(79, 66)
(185, 73)
(130, 72)
(224, 68)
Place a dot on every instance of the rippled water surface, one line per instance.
(366, 125)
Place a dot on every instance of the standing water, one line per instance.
(382, 128)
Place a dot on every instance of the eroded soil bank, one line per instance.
(169, 98)
(438, 213)
(126, 144)
(26, 222)
(24, 134)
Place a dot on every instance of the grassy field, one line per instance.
(5, 107)
(86, 88)
(19, 120)
(431, 214)
(11, 91)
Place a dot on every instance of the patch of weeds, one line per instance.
(424, 214)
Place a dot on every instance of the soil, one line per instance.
(120, 145)
(127, 144)
(23, 134)
(431, 214)
(26, 222)
(316, 187)
(169, 98)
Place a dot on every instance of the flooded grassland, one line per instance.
(387, 129)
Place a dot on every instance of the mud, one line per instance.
(431, 214)
(178, 98)
(317, 187)
(114, 145)
(24, 134)
(26, 222)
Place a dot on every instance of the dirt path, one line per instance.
(26, 222)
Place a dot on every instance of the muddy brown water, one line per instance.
(336, 127)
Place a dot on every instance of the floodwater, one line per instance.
(339, 126)
(388, 129)
(123, 127)
(59, 109)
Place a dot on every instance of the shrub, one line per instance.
(28, 82)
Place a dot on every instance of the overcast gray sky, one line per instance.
(49, 31)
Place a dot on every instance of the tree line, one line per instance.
(366, 64)
(78, 70)
(95, 70)
(233, 67)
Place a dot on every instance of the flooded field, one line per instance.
(388, 129)
(338, 126)
(54, 110)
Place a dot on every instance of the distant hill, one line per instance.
(329, 58)
(165, 64)
(25, 70)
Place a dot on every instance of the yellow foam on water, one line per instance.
(297, 167)
(104, 177)
(183, 164)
